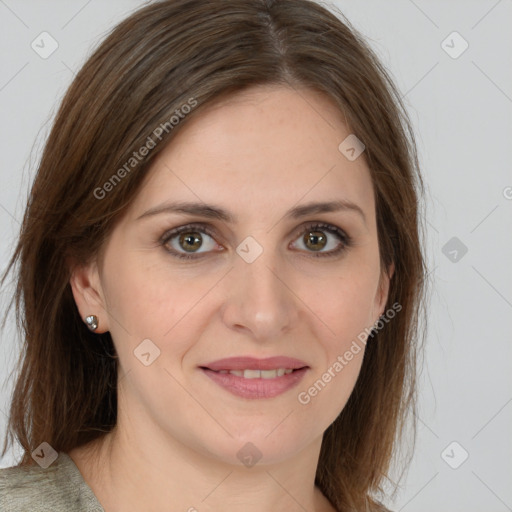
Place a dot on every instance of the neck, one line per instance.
(158, 473)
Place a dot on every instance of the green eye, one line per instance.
(185, 242)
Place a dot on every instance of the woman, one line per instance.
(220, 269)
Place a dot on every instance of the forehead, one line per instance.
(260, 151)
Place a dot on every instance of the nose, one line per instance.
(260, 298)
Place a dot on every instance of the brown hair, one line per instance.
(150, 65)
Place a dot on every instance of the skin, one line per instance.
(257, 154)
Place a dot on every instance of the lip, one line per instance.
(252, 363)
(256, 388)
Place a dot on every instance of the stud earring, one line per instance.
(92, 322)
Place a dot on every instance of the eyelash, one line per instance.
(346, 240)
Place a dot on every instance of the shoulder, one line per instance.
(59, 487)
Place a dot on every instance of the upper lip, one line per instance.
(252, 363)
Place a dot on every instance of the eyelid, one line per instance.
(197, 226)
(321, 225)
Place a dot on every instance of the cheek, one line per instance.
(346, 308)
(148, 302)
(324, 395)
(346, 305)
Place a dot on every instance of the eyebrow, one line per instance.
(218, 213)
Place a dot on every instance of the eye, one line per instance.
(316, 237)
(189, 238)
(185, 242)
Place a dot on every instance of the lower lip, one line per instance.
(256, 388)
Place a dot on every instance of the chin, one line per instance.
(253, 447)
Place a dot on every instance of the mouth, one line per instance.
(252, 378)
(258, 374)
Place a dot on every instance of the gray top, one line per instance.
(58, 488)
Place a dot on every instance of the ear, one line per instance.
(382, 294)
(88, 294)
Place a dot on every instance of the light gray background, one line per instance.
(462, 111)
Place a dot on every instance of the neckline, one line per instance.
(77, 478)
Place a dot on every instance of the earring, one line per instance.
(92, 322)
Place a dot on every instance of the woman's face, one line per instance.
(257, 284)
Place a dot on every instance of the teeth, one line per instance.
(252, 374)
(259, 374)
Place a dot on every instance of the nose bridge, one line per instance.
(258, 298)
(260, 276)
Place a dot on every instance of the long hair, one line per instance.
(147, 68)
